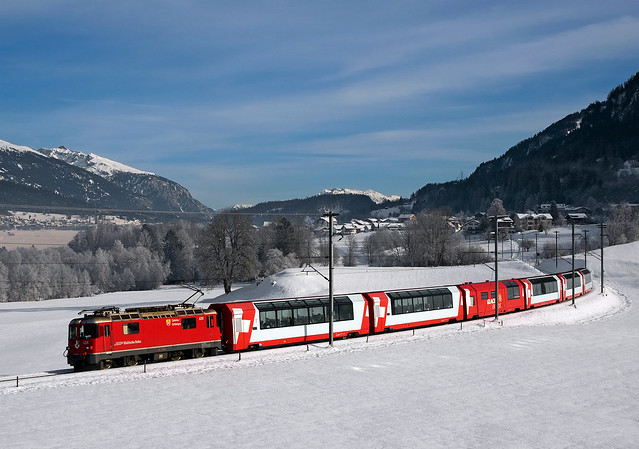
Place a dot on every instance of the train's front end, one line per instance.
(83, 342)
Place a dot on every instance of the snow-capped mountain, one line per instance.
(65, 178)
(91, 162)
(377, 197)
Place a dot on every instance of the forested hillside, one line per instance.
(587, 158)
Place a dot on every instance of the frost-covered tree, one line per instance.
(227, 250)
(624, 225)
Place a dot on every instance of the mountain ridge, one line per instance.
(61, 177)
(585, 157)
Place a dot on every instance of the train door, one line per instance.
(378, 305)
(469, 303)
(107, 338)
(241, 322)
(485, 301)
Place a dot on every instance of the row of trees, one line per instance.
(106, 257)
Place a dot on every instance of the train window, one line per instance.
(189, 323)
(569, 280)
(542, 286)
(418, 304)
(300, 316)
(268, 319)
(284, 318)
(107, 330)
(131, 328)
(421, 300)
(89, 331)
(316, 314)
(448, 299)
(438, 302)
(484, 295)
(344, 312)
(587, 276)
(73, 331)
(512, 290)
(282, 305)
(429, 303)
(303, 311)
(407, 305)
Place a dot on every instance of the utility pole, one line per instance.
(330, 214)
(497, 217)
(496, 271)
(573, 262)
(586, 248)
(602, 227)
(556, 250)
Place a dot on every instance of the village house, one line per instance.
(531, 221)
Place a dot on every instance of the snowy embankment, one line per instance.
(553, 377)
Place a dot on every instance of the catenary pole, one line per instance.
(602, 227)
(586, 248)
(330, 215)
(496, 271)
(573, 262)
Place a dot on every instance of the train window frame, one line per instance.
(88, 331)
(131, 328)
(301, 316)
(512, 290)
(405, 301)
(316, 314)
(189, 323)
(268, 319)
(544, 286)
(300, 312)
(570, 279)
(285, 317)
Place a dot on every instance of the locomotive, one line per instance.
(107, 336)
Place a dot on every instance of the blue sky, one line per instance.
(243, 102)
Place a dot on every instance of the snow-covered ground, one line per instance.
(553, 377)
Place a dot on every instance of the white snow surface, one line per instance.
(377, 197)
(558, 376)
(4, 145)
(98, 165)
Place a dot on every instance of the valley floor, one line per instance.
(553, 377)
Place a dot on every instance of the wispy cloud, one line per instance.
(254, 97)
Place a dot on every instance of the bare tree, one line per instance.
(350, 258)
(624, 225)
(227, 250)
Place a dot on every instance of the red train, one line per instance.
(106, 336)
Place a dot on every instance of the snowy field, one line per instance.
(553, 377)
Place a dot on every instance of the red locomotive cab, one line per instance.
(87, 337)
(108, 337)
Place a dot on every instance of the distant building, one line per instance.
(531, 221)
